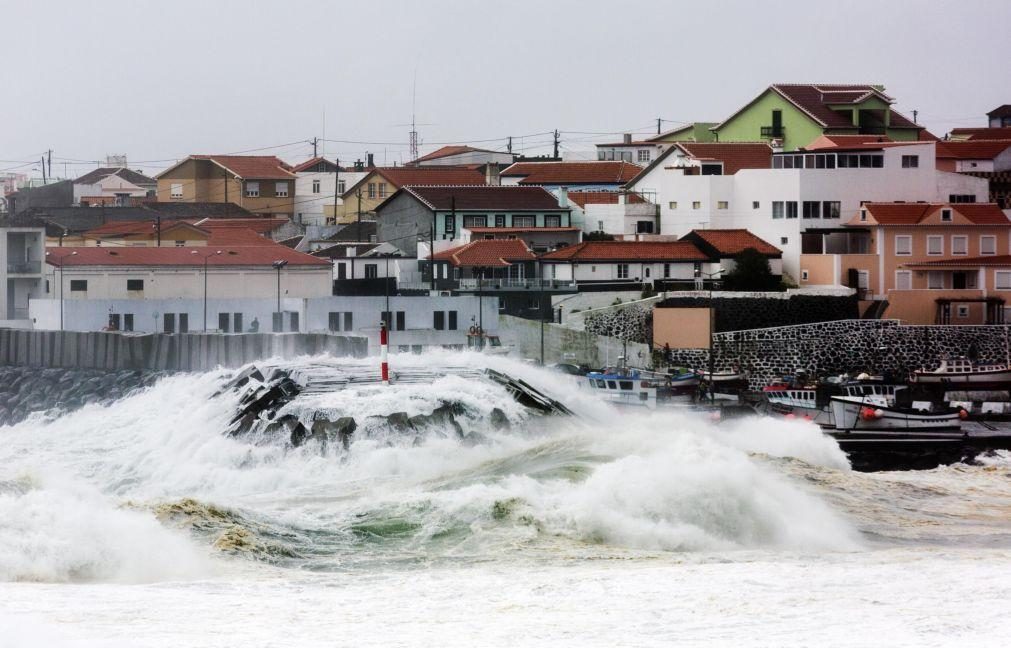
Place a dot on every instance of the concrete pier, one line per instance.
(165, 352)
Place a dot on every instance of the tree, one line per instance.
(598, 236)
(751, 273)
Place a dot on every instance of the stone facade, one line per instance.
(832, 348)
(631, 322)
(739, 313)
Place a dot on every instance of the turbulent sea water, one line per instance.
(139, 523)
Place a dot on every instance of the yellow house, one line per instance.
(362, 198)
(262, 184)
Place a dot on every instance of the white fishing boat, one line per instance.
(639, 388)
(875, 416)
(963, 371)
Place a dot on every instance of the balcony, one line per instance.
(773, 132)
(25, 267)
(493, 284)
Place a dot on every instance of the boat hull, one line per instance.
(891, 422)
(961, 378)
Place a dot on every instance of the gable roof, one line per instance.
(980, 133)
(448, 151)
(485, 198)
(584, 198)
(422, 176)
(616, 251)
(231, 255)
(915, 213)
(974, 149)
(309, 164)
(730, 242)
(247, 167)
(487, 253)
(355, 232)
(1000, 111)
(572, 173)
(340, 250)
(814, 99)
(662, 137)
(129, 175)
(734, 155)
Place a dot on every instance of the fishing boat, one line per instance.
(874, 416)
(962, 370)
(810, 400)
(640, 388)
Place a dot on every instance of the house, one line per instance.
(804, 190)
(597, 175)
(619, 213)
(22, 249)
(466, 156)
(690, 132)
(368, 268)
(624, 265)
(112, 185)
(793, 115)
(442, 213)
(987, 159)
(262, 184)
(965, 134)
(918, 262)
(319, 185)
(362, 198)
(722, 246)
(642, 152)
(178, 233)
(1000, 117)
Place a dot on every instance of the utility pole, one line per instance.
(658, 120)
(44, 170)
(431, 253)
(556, 143)
(915, 113)
(50, 155)
(314, 141)
(336, 184)
(452, 213)
(509, 146)
(359, 194)
(157, 227)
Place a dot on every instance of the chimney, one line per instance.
(563, 196)
(628, 138)
(369, 162)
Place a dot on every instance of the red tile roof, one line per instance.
(252, 167)
(843, 141)
(974, 149)
(258, 225)
(980, 133)
(572, 173)
(308, 164)
(447, 151)
(915, 213)
(584, 198)
(486, 198)
(734, 155)
(249, 255)
(206, 225)
(428, 176)
(729, 242)
(627, 251)
(487, 253)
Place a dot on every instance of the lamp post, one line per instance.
(711, 276)
(278, 321)
(205, 257)
(59, 267)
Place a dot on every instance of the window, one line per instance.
(237, 322)
(910, 161)
(946, 215)
(643, 155)
(962, 198)
(341, 186)
(223, 321)
(935, 280)
(755, 204)
(712, 169)
(791, 209)
(176, 190)
(803, 275)
(281, 189)
(623, 271)
(672, 204)
(315, 186)
(184, 322)
(696, 205)
(452, 320)
(401, 320)
(382, 189)
(333, 321)
(439, 320)
(903, 245)
(114, 321)
(169, 323)
(988, 245)
(722, 204)
(962, 311)
(1002, 279)
(935, 245)
(499, 220)
(371, 270)
(863, 214)
(831, 209)
(783, 240)
(812, 209)
(666, 271)
(960, 245)
(348, 321)
(135, 284)
(644, 227)
(523, 221)
(475, 221)
(552, 220)
(252, 190)
(78, 285)
(450, 224)
(372, 190)
(180, 243)
(128, 322)
(903, 280)
(777, 209)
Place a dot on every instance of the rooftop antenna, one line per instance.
(414, 127)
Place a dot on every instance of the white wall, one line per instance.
(309, 204)
(109, 186)
(19, 246)
(471, 157)
(596, 272)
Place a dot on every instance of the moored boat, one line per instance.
(963, 371)
(873, 416)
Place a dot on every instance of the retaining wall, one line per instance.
(164, 352)
(567, 345)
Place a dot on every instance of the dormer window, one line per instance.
(863, 214)
(946, 215)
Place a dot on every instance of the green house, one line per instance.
(796, 114)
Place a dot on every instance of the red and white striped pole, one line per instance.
(383, 351)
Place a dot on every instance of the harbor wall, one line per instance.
(846, 346)
(562, 344)
(164, 352)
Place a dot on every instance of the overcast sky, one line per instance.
(159, 80)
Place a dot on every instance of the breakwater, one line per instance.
(164, 352)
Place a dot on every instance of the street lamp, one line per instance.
(712, 356)
(205, 257)
(278, 321)
(60, 268)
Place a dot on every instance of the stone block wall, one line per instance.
(739, 313)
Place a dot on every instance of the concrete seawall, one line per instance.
(164, 352)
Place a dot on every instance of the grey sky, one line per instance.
(159, 80)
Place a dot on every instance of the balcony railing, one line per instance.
(25, 267)
(772, 131)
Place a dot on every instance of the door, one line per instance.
(342, 271)
(169, 323)
(237, 322)
(959, 281)
(223, 322)
(128, 322)
(184, 322)
(777, 123)
(293, 318)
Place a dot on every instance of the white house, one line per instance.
(319, 184)
(113, 185)
(619, 213)
(803, 190)
(611, 265)
(642, 152)
(464, 156)
(21, 275)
